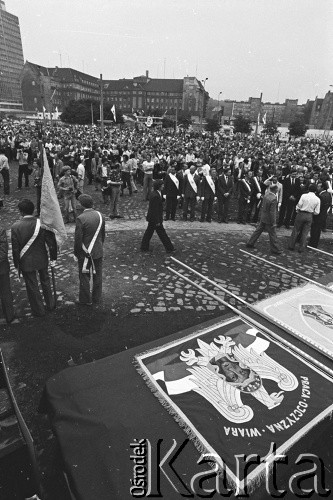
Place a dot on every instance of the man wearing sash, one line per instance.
(171, 191)
(244, 194)
(6, 295)
(258, 191)
(30, 257)
(190, 193)
(208, 194)
(225, 186)
(88, 249)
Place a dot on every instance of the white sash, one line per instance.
(192, 182)
(31, 240)
(257, 184)
(247, 185)
(175, 180)
(90, 247)
(211, 183)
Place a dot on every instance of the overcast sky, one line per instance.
(282, 48)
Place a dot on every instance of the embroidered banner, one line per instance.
(236, 392)
(307, 311)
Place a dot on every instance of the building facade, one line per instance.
(52, 88)
(11, 61)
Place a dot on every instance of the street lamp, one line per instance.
(202, 103)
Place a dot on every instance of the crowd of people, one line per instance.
(189, 173)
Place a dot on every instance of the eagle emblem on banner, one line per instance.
(222, 372)
(319, 314)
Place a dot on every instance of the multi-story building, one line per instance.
(11, 61)
(54, 87)
(322, 112)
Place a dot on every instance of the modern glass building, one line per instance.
(11, 61)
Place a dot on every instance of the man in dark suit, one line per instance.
(155, 220)
(258, 189)
(190, 193)
(88, 249)
(5, 289)
(225, 186)
(172, 193)
(291, 193)
(244, 194)
(30, 256)
(267, 221)
(207, 192)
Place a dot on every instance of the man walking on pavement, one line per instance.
(155, 220)
(88, 249)
(30, 256)
(267, 221)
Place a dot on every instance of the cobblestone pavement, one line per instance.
(143, 300)
(133, 209)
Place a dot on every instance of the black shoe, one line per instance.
(248, 245)
(171, 251)
(78, 303)
(277, 252)
(291, 249)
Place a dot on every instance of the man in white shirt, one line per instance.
(80, 175)
(308, 205)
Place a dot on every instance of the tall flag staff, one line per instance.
(50, 212)
(102, 108)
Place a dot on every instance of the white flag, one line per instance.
(44, 109)
(113, 111)
(264, 118)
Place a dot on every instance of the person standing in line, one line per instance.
(307, 207)
(155, 220)
(88, 249)
(5, 289)
(207, 193)
(267, 221)
(148, 169)
(172, 193)
(244, 195)
(190, 193)
(30, 256)
(225, 186)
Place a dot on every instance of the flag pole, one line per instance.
(255, 323)
(92, 114)
(54, 288)
(258, 311)
(286, 270)
(102, 110)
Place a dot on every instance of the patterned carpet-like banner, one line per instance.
(307, 312)
(235, 391)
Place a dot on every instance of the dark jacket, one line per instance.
(188, 191)
(155, 208)
(36, 256)
(205, 191)
(85, 229)
(4, 264)
(269, 209)
(224, 185)
(170, 188)
(291, 190)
